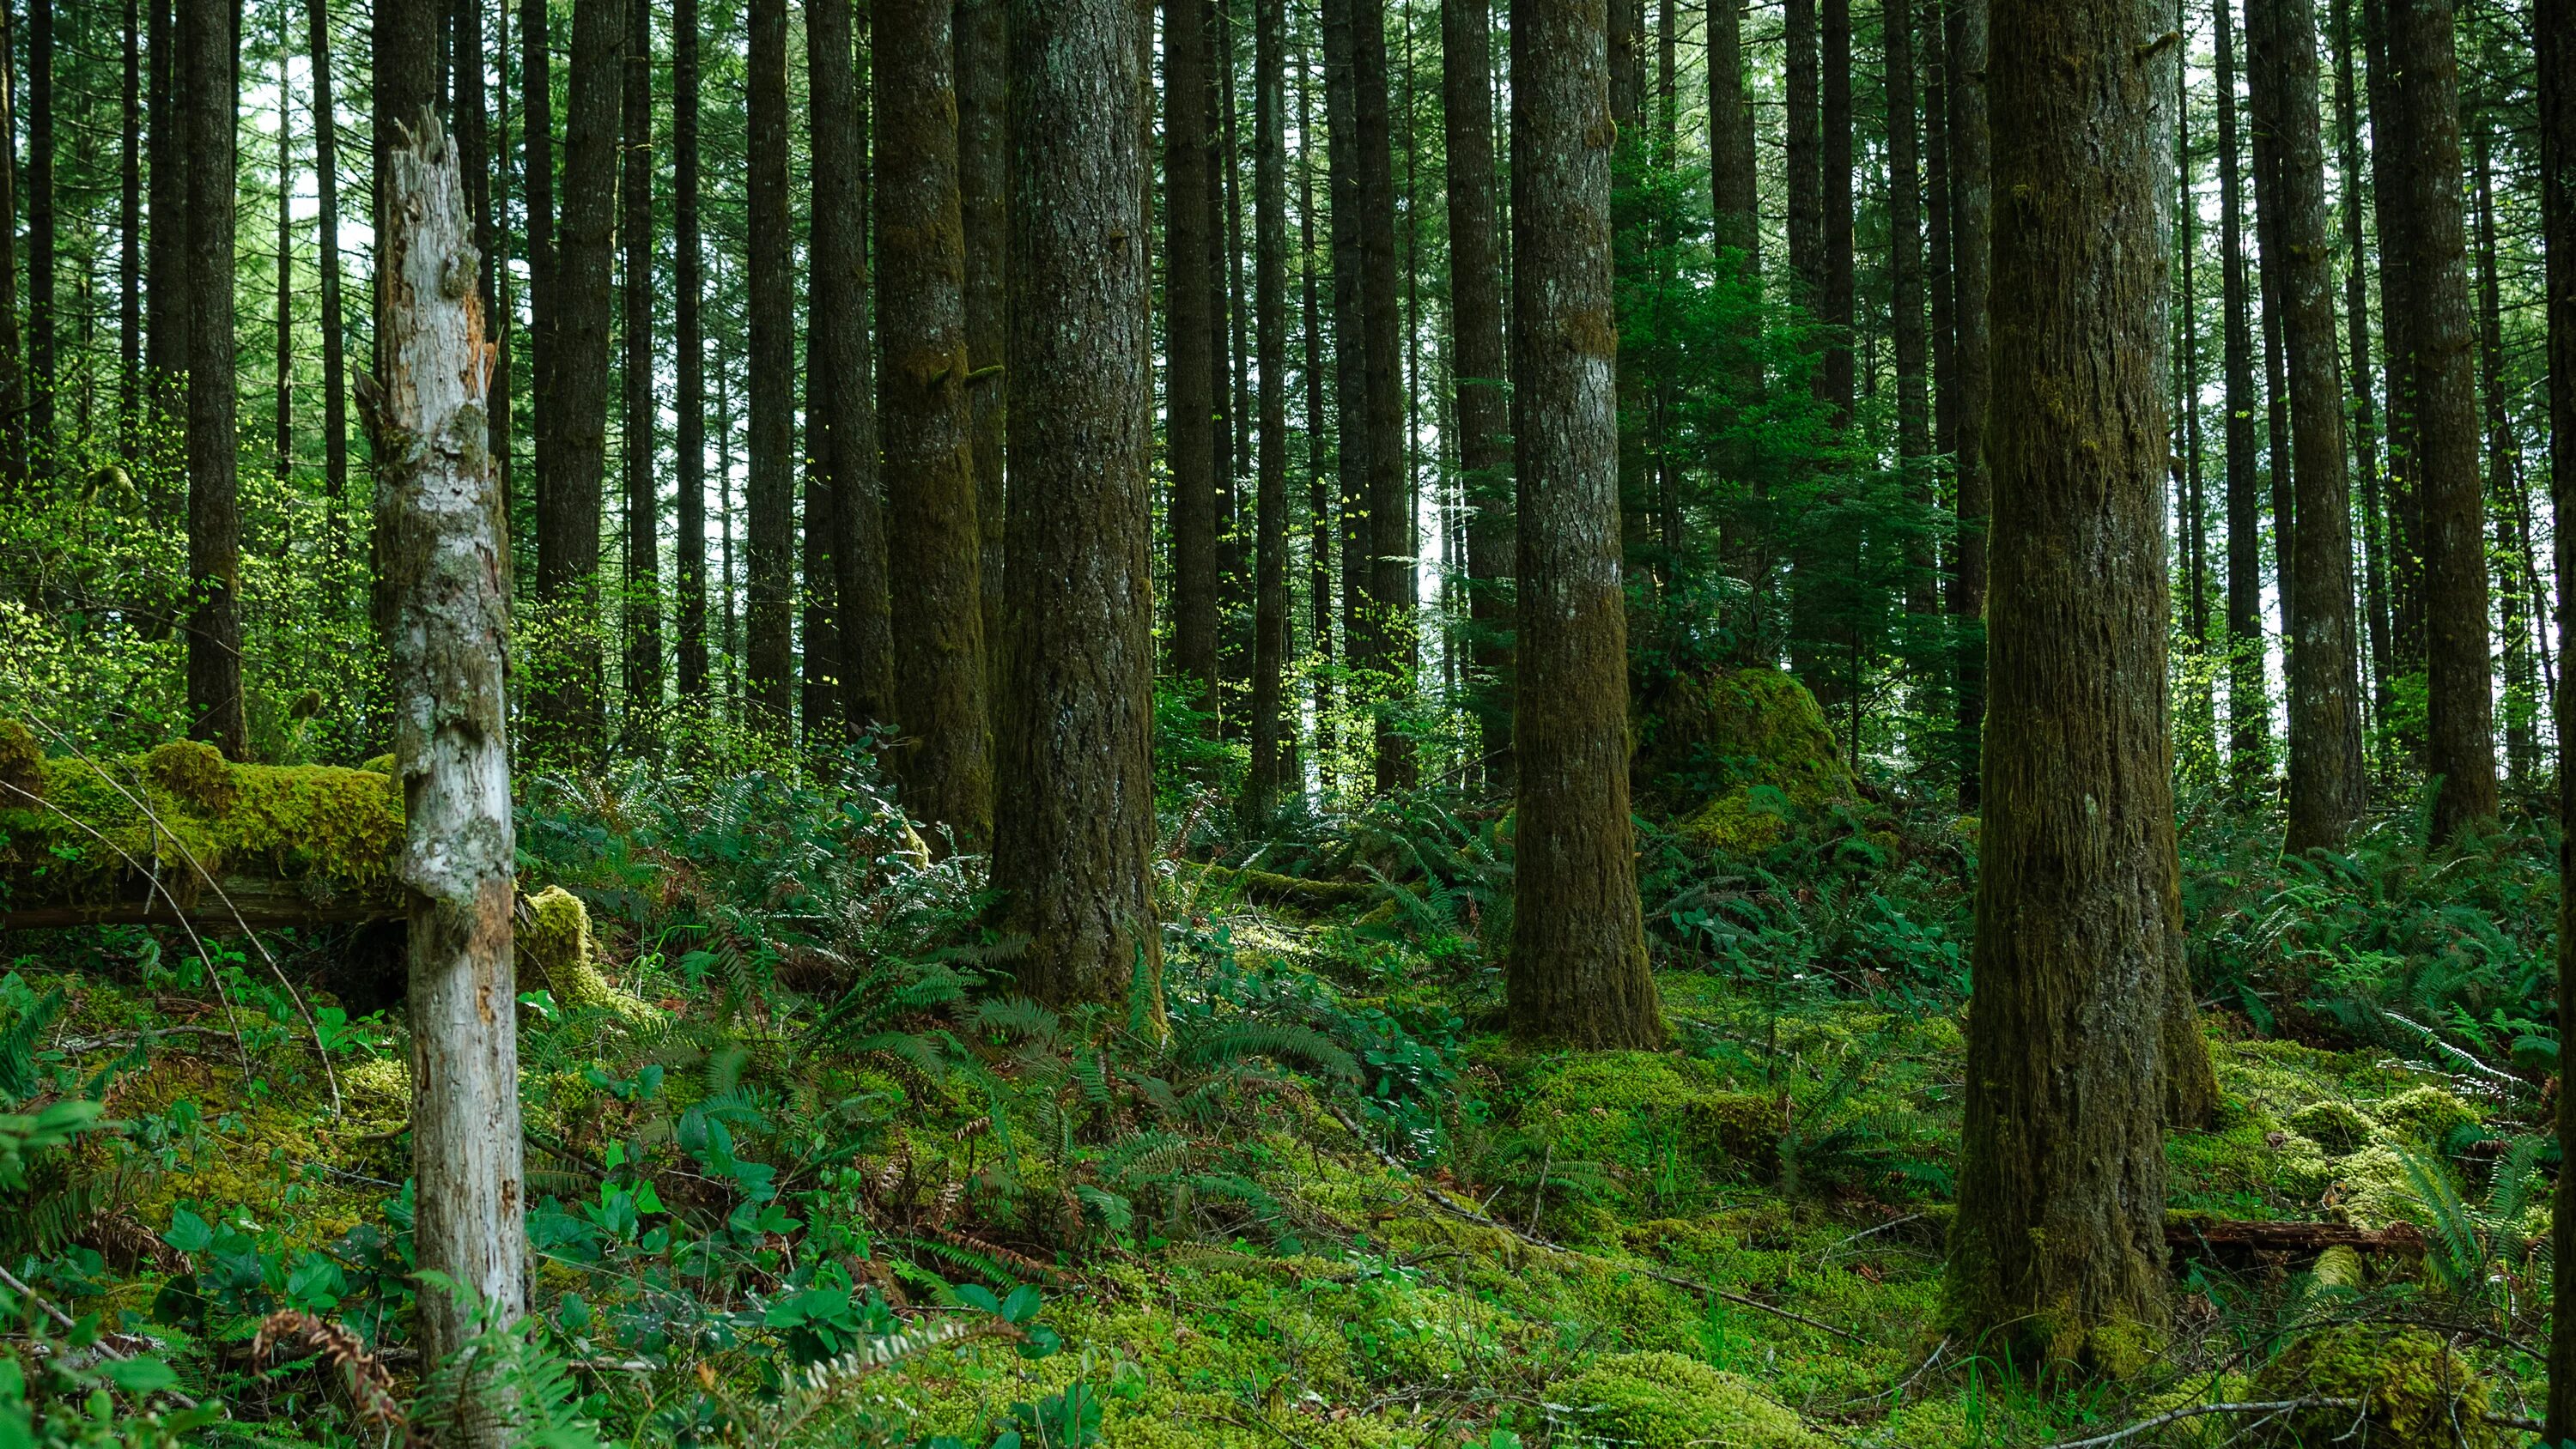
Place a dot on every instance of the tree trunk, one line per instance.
(1388, 627)
(2396, 261)
(1836, 312)
(2249, 710)
(444, 544)
(572, 403)
(1971, 234)
(983, 131)
(129, 247)
(840, 407)
(643, 612)
(1075, 838)
(1732, 172)
(771, 486)
(165, 254)
(1806, 179)
(932, 535)
(537, 180)
(2327, 787)
(1578, 965)
(1189, 289)
(2503, 480)
(283, 392)
(1351, 436)
(2060, 1230)
(1939, 267)
(1270, 737)
(1319, 478)
(2365, 428)
(2263, 126)
(326, 261)
(214, 510)
(41, 265)
(1477, 347)
(2425, 169)
(473, 155)
(1905, 241)
(2202, 701)
(2554, 32)
(1234, 591)
(690, 366)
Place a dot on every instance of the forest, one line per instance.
(1236, 724)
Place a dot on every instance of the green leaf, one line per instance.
(138, 1376)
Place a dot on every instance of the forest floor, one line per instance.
(803, 1171)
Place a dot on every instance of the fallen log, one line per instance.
(1297, 891)
(179, 833)
(2196, 1233)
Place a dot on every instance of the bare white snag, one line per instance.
(446, 614)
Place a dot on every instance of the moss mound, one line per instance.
(556, 942)
(1736, 754)
(2335, 1126)
(322, 827)
(1667, 1401)
(2416, 1393)
(22, 763)
(1626, 1110)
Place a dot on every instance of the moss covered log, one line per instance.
(179, 832)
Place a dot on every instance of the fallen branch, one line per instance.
(2293, 1237)
(1272, 888)
(17, 1285)
(2176, 1416)
(1450, 1204)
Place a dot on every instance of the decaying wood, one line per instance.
(2285, 1237)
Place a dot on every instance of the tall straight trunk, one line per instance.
(2195, 512)
(1075, 836)
(571, 405)
(932, 536)
(643, 612)
(840, 403)
(473, 128)
(1477, 349)
(2397, 249)
(1319, 477)
(442, 543)
(537, 183)
(1629, 163)
(129, 247)
(689, 342)
(2280, 462)
(1238, 313)
(820, 702)
(1578, 963)
(2503, 477)
(41, 238)
(2365, 429)
(1270, 736)
(1905, 242)
(1223, 234)
(1806, 181)
(2249, 710)
(408, 51)
(1732, 173)
(2327, 785)
(1971, 236)
(2554, 33)
(1836, 166)
(1351, 436)
(326, 260)
(983, 131)
(2060, 1232)
(165, 254)
(1939, 266)
(282, 393)
(1388, 627)
(771, 486)
(205, 82)
(2425, 171)
(1189, 289)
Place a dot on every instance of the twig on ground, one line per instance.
(2194, 1411)
(17, 1285)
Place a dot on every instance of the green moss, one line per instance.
(380, 765)
(22, 761)
(2417, 1393)
(2424, 1116)
(557, 944)
(1739, 822)
(1739, 728)
(194, 771)
(2335, 1126)
(1631, 1111)
(1667, 1401)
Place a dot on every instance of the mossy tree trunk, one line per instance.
(1313, 365)
(934, 542)
(1271, 740)
(1481, 363)
(2060, 1233)
(2554, 25)
(443, 547)
(207, 84)
(1351, 438)
(770, 485)
(2249, 711)
(1189, 290)
(1971, 235)
(643, 611)
(983, 131)
(1578, 965)
(1074, 840)
(840, 409)
(1387, 627)
(689, 341)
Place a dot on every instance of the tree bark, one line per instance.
(570, 703)
(1189, 289)
(1075, 836)
(2365, 428)
(2503, 479)
(41, 264)
(2327, 786)
(932, 535)
(326, 261)
(129, 253)
(1388, 626)
(771, 486)
(1806, 180)
(2060, 1229)
(1836, 311)
(165, 257)
(1351, 436)
(840, 406)
(1578, 969)
(2554, 33)
(282, 394)
(537, 183)
(643, 612)
(689, 341)
(443, 543)
(1477, 347)
(1905, 243)
(1319, 477)
(1971, 230)
(215, 712)
(2396, 260)
(2280, 471)
(1732, 172)
(983, 134)
(2425, 168)
(2249, 710)
(1270, 737)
